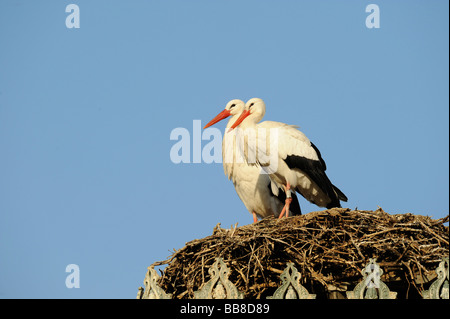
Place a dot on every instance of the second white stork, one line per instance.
(300, 165)
(253, 188)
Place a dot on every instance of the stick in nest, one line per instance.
(329, 247)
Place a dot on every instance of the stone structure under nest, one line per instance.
(336, 253)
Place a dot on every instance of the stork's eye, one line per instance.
(232, 105)
(251, 105)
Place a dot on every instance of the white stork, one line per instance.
(253, 188)
(299, 164)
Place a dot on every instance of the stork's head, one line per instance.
(254, 110)
(234, 107)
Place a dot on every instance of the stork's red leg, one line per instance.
(287, 204)
(282, 212)
(288, 201)
(255, 219)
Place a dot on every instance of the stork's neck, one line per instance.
(232, 120)
(251, 120)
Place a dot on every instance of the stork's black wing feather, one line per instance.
(324, 166)
(315, 169)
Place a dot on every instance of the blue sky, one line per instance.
(86, 115)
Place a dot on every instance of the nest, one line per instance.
(329, 248)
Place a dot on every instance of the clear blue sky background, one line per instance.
(86, 115)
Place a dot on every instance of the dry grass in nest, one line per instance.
(329, 248)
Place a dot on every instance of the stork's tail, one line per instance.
(335, 200)
(340, 194)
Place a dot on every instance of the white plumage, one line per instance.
(295, 163)
(253, 188)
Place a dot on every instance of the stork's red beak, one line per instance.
(222, 115)
(240, 119)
